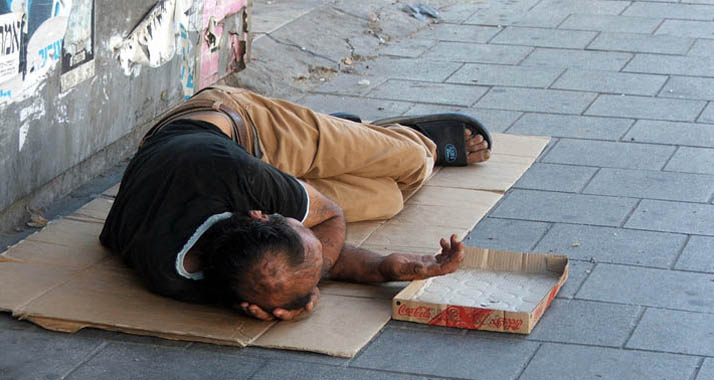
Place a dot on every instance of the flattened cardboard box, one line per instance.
(504, 312)
(62, 278)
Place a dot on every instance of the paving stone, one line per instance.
(613, 245)
(688, 218)
(562, 207)
(506, 234)
(368, 109)
(641, 43)
(500, 13)
(502, 75)
(424, 109)
(646, 108)
(128, 361)
(400, 68)
(470, 356)
(593, 7)
(495, 120)
(577, 273)
(544, 37)
(652, 185)
(409, 48)
(692, 160)
(609, 154)
(428, 328)
(463, 33)
(707, 115)
(610, 23)
(584, 127)
(536, 100)
(568, 362)
(563, 178)
(670, 11)
(482, 53)
(675, 331)
(354, 85)
(669, 132)
(707, 370)
(687, 28)
(111, 336)
(609, 82)
(457, 13)
(650, 287)
(698, 255)
(293, 370)
(702, 47)
(428, 92)
(581, 59)
(269, 354)
(689, 88)
(28, 354)
(540, 19)
(7, 322)
(672, 65)
(582, 322)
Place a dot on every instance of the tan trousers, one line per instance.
(365, 169)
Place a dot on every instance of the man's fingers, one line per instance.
(259, 313)
(283, 314)
(313, 300)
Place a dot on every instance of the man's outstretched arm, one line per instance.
(361, 265)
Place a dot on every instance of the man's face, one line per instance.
(289, 285)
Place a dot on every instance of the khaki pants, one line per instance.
(365, 169)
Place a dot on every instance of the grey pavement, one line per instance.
(625, 88)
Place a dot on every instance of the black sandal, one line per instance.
(446, 130)
(347, 116)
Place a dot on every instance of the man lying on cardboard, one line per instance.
(241, 199)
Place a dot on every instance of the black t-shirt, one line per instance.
(179, 178)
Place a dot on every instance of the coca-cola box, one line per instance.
(492, 290)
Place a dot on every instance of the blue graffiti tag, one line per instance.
(6, 94)
(52, 51)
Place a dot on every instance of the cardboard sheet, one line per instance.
(62, 279)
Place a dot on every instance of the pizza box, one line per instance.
(492, 290)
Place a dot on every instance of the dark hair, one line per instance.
(235, 246)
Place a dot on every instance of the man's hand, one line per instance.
(407, 267)
(279, 313)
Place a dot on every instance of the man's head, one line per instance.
(267, 260)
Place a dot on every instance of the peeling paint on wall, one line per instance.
(191, 29)
(38, 28)
(78, 48)
(153, 41)
(35, 111)
(214, 14)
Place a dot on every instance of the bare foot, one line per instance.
(477, 149)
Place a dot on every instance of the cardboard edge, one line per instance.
(544, 304)
(68, 326)
(336, 354)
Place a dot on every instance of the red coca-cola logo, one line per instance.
(463, 317)
(422, 312)
(506, 323)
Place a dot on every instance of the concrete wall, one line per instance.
(77, 88)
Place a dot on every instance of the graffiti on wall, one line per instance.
(32, 38)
